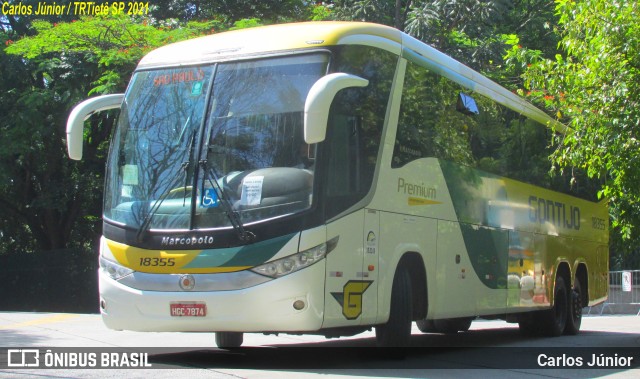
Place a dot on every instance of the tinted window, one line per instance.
(355, 126)
(496, 139)
(429, 124)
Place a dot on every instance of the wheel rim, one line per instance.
(561, 309)
(577, 304)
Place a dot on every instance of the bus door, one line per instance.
(351, 288)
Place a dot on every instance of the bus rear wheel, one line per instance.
(551, 322)
(555, 319)
(574, 318)
(229, 340)
(397, 331)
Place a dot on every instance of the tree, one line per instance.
(468, 30)
(594, 86)
(46, 201)
(229, 10)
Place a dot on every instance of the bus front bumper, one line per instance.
(267, 307)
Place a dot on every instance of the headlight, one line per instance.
(293, 263)
(114, 270)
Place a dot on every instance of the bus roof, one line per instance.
(267, 40)
(264, 39)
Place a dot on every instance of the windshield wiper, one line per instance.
(156, 205)
(244, 235)
(183, 167)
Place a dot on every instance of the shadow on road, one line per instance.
(477, 349)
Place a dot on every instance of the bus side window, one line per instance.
(356, 119)
(430, 122)
(344, 156)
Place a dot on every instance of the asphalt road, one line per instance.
(491, 349)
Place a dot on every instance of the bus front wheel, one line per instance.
(397, 331)
(229, 340)
(426, 326)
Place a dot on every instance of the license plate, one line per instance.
(188, 309)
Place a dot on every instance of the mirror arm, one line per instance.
(318, 102)
(82, 111)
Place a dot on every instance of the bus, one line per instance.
(330, 178)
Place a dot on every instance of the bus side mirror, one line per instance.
(467, 105)
(82, 111)
(318, 102)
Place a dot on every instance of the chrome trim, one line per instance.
(227, 281)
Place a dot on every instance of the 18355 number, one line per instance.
(157, 262)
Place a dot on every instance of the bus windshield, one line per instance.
(193, 143)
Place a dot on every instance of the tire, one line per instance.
(452, 325)
(229, 340)
(397, 331)
(426, 326)
(555, 319)
(574, 316)
(446, 326)
(530, 323)
(464, 324)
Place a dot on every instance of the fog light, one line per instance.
(298, 305)
(103, 305)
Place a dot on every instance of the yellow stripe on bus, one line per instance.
(163, 261)
(152, 261)
(421, 201)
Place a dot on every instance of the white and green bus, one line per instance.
(329, 178)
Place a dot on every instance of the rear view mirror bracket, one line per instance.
(82, 111)
(318, 102)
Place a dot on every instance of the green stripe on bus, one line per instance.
(248, 255)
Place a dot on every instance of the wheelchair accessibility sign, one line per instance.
(209, 198)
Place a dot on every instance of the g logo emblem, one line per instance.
(351, 298)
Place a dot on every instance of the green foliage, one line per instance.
(271, 11)
(320, 12)
(594, 87)
(49, 65)
(113, 45)
(468, 30)
(48, 201)
(378, 11)
(246, 23)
